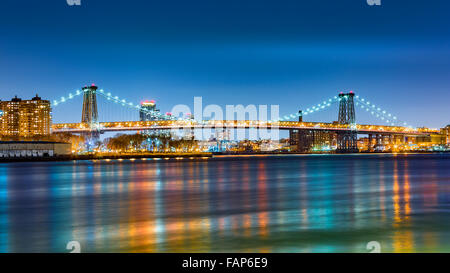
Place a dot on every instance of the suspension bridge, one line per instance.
(303, 135)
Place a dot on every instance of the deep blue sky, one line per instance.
(287, 52)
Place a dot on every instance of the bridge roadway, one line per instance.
(247, 124)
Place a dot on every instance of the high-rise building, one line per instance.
(148, 111)
(445, 132)
(25, 118)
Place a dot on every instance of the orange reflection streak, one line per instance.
(403, 240)
(382, 192)
(122, 226)
(206, 222)
(149, 230)
(220, 205)
(206, 234)
(175, 233)
(396, 197)
(263, 218)
(247, 225)
(262, 221)
(142, 231)
(406, 192)
(245, 189)
(131, 217)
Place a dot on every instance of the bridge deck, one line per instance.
(283, 125)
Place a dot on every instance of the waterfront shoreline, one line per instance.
(186, 156)
(111, 157)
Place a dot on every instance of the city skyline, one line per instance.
(195, 50)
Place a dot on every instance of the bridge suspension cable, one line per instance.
(379, 113)
(311, 110)
(125, 103)
(364, 104)
(70, 96)
(116, 99)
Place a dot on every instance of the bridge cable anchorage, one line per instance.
(313, 109)
(378, 112)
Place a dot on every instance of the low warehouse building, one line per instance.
(10, 149)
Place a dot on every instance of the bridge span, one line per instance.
(302, 135)
(239, 124)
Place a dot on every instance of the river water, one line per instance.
(306, 203)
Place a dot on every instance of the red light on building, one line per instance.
(146, 102)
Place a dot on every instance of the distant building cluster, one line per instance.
(25, 118)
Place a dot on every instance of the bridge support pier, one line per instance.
(391, 142)
(377, 141)
(91, 138)
(370, 143)
(347, 142)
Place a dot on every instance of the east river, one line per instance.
(305, 203)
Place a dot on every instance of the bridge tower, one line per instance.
(347, 142)
(90, 112)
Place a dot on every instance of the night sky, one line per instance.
(290, 53)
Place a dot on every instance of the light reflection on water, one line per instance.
(333, 203)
